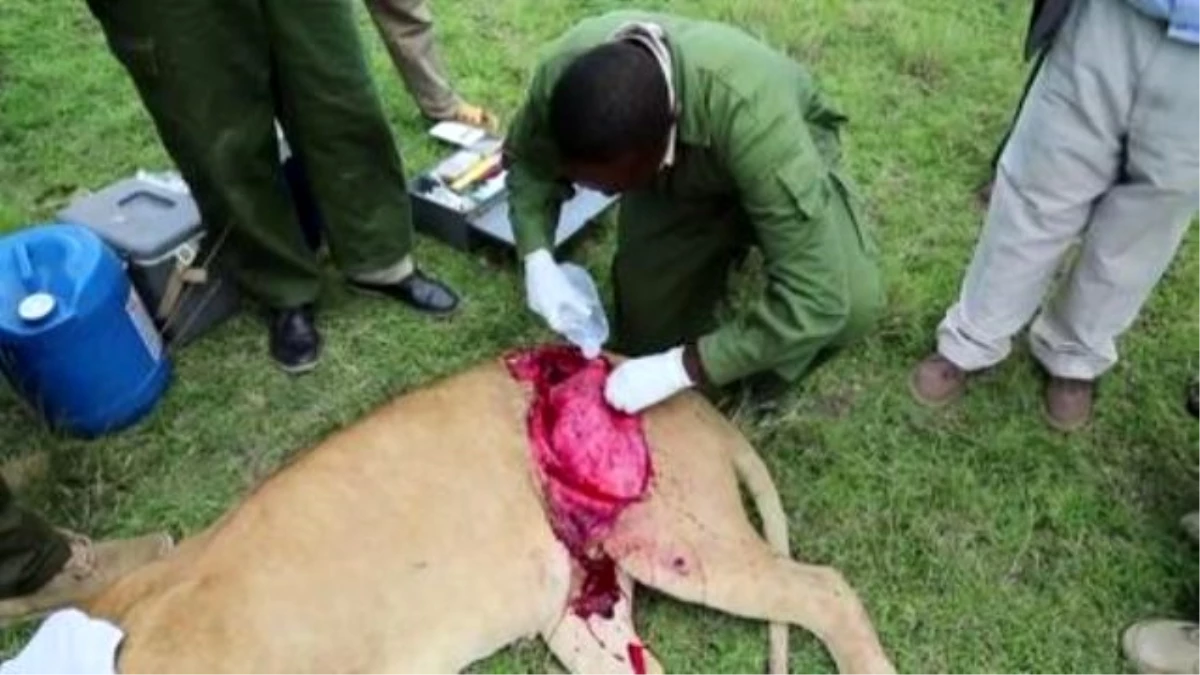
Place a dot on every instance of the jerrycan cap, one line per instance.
(36, 306)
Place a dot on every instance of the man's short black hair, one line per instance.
(611, 100)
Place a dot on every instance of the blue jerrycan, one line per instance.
(76, 341)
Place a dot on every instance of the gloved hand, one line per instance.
(639, 383)
(564, 306)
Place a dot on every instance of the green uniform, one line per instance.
(215, 75)
(31, 551)
(756, 165)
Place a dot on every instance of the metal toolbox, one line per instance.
(477, 212)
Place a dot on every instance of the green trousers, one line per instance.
(31, 552)
(215, 75)
(671, 273)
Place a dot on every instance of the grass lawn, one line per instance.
(979, 539)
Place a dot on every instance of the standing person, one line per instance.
(1104, 150)
(718, 143)
(215, 76)
(406, 27)
(43, 568)
(1044, 21)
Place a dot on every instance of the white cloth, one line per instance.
(640, 383)
(68, 642)
(565, 296)
(1104, 152)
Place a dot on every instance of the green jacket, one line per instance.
(768, 140)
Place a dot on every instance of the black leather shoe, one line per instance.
(295, 342)
(418, 291)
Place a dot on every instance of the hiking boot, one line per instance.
(1191, 525)
(1069, 403)
(936, 381)
(1162, 646)
(90, 569)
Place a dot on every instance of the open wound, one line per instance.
(592, 462)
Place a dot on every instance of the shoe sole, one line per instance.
(423, 312)
(299, 369)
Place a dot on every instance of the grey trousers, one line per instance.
(406, 27)
(1103, 153)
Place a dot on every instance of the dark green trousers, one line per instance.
(671, 273)
(215, 75)
(31, 552)
(672, 268)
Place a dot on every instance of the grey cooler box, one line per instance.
(156, 228)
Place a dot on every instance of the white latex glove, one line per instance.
(565, 307)
(638, 384)
(68, 641)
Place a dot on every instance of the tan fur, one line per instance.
(415, 541)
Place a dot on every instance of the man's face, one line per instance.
(631, 171)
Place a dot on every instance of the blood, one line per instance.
(592, 461)
(637, 657)
(599, 592)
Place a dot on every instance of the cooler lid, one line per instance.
(141, 219)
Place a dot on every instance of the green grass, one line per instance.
(980, 540)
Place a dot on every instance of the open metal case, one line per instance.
(463, 199)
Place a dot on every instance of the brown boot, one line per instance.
(1069, 403)
(936, 381)
(91, 568)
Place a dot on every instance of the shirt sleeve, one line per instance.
(785, 189)
(536, 189)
